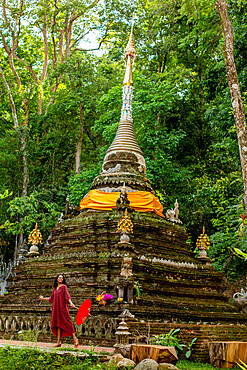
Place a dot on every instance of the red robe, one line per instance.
(60, 312)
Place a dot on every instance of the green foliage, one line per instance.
(24, 212)
(171, 339)
(79, 184)
(189, 347)
(91, 352)
(6, 194)
(138, 289)
(240, 253)
(229, 236)
(28, 335)
(26, 358)
(29, 358)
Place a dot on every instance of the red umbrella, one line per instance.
(83, 312)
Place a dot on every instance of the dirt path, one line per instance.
(41, 345)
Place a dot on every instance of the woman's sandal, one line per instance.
(76, 343)
(58, 345)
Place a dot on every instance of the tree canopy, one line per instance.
(60, 107)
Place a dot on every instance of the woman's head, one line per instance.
(59, 279)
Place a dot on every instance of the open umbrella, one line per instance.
(83, 312)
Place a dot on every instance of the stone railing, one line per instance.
(102, 331)
(93, 328)
(14, 324)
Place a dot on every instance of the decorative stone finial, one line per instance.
(34, 238)
(127, 315)
(125, 226)
(203, 244)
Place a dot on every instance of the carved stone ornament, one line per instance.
(172, 214)
(240, 299)
(33, 250)
(122, 334)
(126, 314)
(126, 269)
(123, 201)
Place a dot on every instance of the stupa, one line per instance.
(152, 275)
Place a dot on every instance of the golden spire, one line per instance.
(129, 57)
(35, 236)
(203, 240)
(125, 137)
(124, 161)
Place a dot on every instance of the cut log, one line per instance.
(139, 352)
(225, 355)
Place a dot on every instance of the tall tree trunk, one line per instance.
(11, 100)
(79, 143)
(25, 180)
(25, 167)
(237, 104)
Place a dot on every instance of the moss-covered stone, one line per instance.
(176, 288)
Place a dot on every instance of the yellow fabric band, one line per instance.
(141, 201)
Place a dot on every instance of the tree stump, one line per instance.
(225, 355)
(139, 352)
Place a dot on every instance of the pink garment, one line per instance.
(60, 317)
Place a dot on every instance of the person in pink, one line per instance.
(61, 324)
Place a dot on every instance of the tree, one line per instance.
(38, 38)
(236, 98)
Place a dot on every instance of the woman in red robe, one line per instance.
(61, 324)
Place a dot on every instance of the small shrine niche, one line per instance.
(124, 288)
(124, 292)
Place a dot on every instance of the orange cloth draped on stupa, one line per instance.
(141, 201)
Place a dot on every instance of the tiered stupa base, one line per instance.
(177, 290)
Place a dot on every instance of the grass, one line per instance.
(35, 359)
(188, 365)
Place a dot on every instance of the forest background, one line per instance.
(60, 107)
